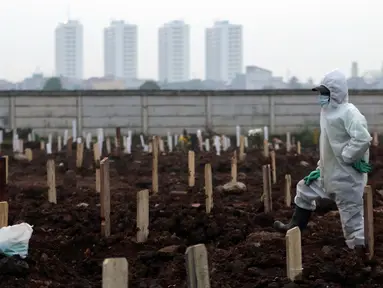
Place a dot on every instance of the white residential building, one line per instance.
(120, 50)
(224, 51)
(69, 50)
(174, 52)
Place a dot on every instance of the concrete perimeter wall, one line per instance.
(156, 112)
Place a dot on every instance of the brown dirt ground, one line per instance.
(66, 249)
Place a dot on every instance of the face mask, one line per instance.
(323, 100)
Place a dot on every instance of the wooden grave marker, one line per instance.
(105, 197)
(142, 216)
(294, 254)
(369, 221)
(115, 273)
(191, 168)
(51, 180)
(4, 214)
(208, 188)
(155, 165)
(197, 267)
(267, 197)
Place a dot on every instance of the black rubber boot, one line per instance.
(300, 218)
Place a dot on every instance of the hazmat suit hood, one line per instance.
(336, 82)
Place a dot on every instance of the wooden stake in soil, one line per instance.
(96, 156)
(118, 141)
(59, 143)
(142, 216)
(369, 221)
(242, 148)
(234, 170)
(3, 178)
(108, 146)
(266, 148)
(105, 197)
(273, 167)
(299, 148)
(69, 147)
(267, 198)
(197, 267)
(29, 154)
(207, 144)
(3, 214)
(375, 139)
(288, 142)
(79, 154)
(288, 190)
(155, 165)
(200, 141)
(161, 145)
(294, 254)
(51, 179)
(21, 145)
(6, 161)
(96, 152)
(208, 188)
(115, 273)
(191, 164)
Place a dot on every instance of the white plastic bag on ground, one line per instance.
(14, 240)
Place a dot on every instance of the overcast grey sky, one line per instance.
(308, 37)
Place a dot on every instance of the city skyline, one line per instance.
(223, 51)
(278, 35)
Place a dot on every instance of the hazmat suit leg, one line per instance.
(304, 205)
(350, 205)
(307, 194)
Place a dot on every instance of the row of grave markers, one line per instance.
(102, 183)
(191, 166)
(97, 151)
(142, 196)
(293, 247)
(220, 142)
(115, 270)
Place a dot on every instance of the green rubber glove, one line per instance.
(314, 175)
(362, 166)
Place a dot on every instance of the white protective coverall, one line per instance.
(344, 140)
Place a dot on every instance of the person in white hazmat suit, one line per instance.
(343, 165)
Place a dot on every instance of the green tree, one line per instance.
(150, 85)
(53, 84)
